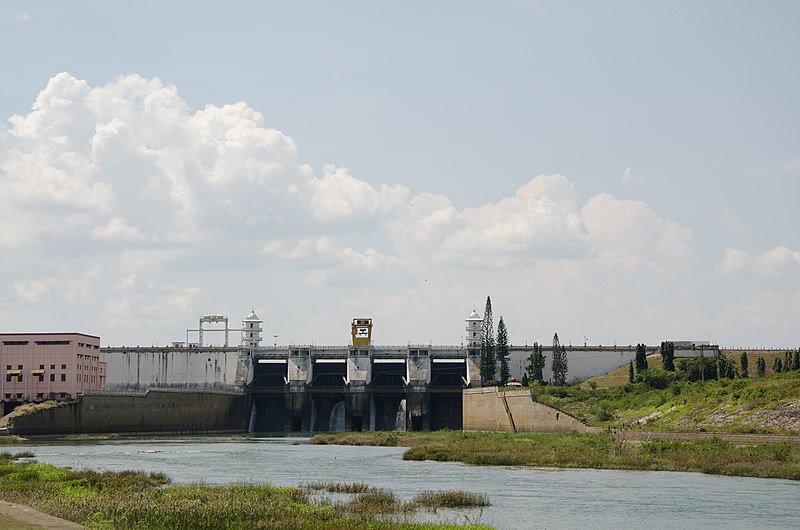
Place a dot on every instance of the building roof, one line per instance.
(252, 317)
(474, 316)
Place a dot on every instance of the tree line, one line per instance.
(494, 355)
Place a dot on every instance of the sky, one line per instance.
(616, 172)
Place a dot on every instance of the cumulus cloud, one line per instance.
(121, 198)
(330, 263)
(774, 262)
(11, 13)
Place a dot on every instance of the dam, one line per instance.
(354, 387)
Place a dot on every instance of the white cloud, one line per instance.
(330, 264)
(10, 13)
(117, 229)
(32, 291)
(774, 262)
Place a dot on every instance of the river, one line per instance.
(520, 497)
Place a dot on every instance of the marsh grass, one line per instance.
(134, 499)
(11, 439)
(600, 451)
(450, 499)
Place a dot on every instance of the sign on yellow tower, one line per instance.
(362, 331)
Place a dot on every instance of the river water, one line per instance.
(520, 497)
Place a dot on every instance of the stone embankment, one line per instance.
(489, 409)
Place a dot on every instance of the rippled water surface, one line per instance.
(521, 497)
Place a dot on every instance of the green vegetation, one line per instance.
(601, 451)
(11, 439)
(678, 401)
(132, 499)
(559, 362)
(487, 358)
(535, 364)
(641, 358)
(502, 352)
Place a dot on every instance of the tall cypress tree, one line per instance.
(488, 364)
(630, 372)
(761, 366)
(641, 358)
(796, 360)
(668, 356)
(743, 365)
(777, 365)
(501, 349)
(535, 363)
(559, 363)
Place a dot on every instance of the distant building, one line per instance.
(41, 366)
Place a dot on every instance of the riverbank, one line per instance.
(133, 499)
(599, 451)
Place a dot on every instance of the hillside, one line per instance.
(756, 404)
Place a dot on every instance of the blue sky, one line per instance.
(622, 171)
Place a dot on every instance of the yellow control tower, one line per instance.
(362, 331)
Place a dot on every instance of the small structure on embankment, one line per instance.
(490, 409)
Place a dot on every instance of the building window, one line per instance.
(41, 367)
(52, 367)
(52, 377)
(19, 367)
(8, 396)
(8, 367)
(19, 395)
(8, 378)
(39, 395)
(63, 377)
(79, 378)
(85, 378)
(63, 366)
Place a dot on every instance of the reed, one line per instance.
(133, 499)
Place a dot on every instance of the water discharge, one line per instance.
(336, 423)
(521, 497)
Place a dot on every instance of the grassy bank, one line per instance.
(138, 500)
(662, 401)
(601, 451)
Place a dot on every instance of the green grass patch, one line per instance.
(600, 451)
(133, 499)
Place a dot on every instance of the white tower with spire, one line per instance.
(474, 330)
(251, 331)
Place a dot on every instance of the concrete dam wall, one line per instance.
(488, 409)
(156, 410)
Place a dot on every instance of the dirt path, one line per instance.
(643, 436)
(19, 516)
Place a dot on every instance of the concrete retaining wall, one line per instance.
(136, 369)
(157, 410)
(487, 409)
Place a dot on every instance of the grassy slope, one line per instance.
(756, 404)
(601, 451)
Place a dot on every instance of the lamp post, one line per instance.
(275, 344)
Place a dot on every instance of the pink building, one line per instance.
(41, 366)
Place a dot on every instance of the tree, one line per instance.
(535, 364)
(501, 352)
(630, 372)
(668, 356)
(525, 380)
(559, 362)
(787, 362)
(487, 359)
(641, 358)
(761, 367)
(777, 365)
(796, 360)
(743, 364)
